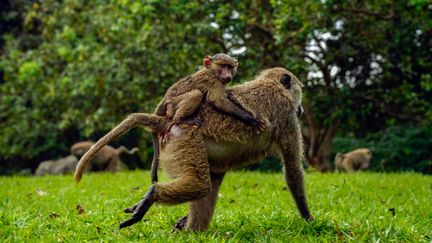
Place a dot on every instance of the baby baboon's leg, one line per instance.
(201, 210)
(293, 169)
(186, 105)
(183, 110)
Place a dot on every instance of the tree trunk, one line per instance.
(318, 140)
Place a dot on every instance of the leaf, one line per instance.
(41, 193)
(80, 209)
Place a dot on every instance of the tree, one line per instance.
(90, 63)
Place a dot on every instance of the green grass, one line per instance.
(252, 207)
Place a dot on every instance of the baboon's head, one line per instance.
(79, 152)
(223, 66)
(289, 85)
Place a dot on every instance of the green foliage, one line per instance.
(395, 149)
(251, 207)
(71, 70)
(98, 62)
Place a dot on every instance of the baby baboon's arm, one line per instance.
(221, 102)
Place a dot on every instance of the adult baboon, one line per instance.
(197, 158)
(183, 99)
(57, 167)
(353, 161)
(108, 158)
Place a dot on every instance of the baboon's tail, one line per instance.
(123, 149)
(153, 122)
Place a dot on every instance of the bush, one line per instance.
(398, 148)
(95, 62)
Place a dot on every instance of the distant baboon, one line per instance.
(353, 161)
(108, 158)
(57, 167)
(197, 158)
(182, 99)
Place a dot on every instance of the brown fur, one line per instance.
(108, 158)
(182, 99)
(197, 158)
(353, 161)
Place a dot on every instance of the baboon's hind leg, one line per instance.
(141, 208)
(190, 187)
(184, 159)
(201, 210)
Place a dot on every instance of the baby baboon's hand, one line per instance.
(262, 124)
(258, 124)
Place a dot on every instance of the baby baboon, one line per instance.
(197, 158)
(57, 167)
(182, 99)
(353, 161)
(108, 158)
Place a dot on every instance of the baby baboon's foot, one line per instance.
(164, 139)
(141, 209)
(164, 135)
(181, 224)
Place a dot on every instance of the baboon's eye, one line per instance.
(286, 81)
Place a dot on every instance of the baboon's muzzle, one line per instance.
(300, 111)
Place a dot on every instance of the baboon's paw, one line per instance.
(180, 224)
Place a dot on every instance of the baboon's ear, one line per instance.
(286, 81)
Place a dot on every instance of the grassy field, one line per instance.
(252, 207)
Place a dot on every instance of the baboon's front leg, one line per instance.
(180, 224)
(201, 211)
(293, 169)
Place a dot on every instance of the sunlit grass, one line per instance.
(252, 207)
